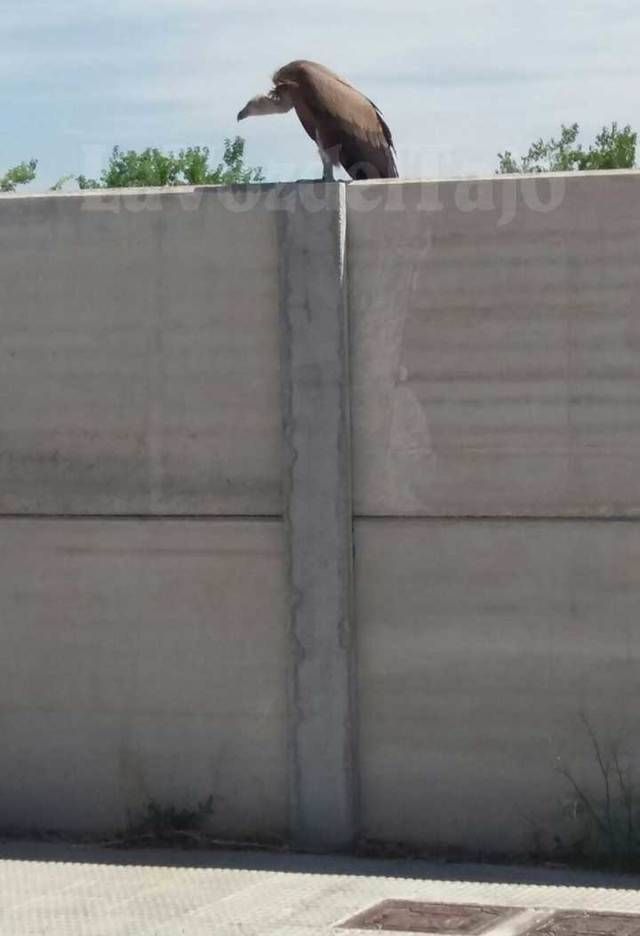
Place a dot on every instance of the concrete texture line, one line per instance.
(497, 518)
(146, 517)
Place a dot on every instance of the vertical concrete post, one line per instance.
(315, 383)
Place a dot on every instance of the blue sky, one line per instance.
(458, 80)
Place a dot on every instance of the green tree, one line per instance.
(613, 149)
(19, 175)
(190, 166)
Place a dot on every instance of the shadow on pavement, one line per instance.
(288, 862)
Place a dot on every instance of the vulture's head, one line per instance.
(277, 101)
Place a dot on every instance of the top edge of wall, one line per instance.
(188, 189)
(176, 190)
(499, 176)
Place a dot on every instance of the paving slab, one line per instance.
(55, 890)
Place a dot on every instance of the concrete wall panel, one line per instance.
(142, 660)
(139, 363)
(495, 345)
(482, 646)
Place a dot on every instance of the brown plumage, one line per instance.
(347, 127)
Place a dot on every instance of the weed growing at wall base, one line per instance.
(167, 824)
(604, 818)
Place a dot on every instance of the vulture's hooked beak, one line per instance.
(273, 103)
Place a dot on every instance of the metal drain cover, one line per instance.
(408, 916)
(588, 924)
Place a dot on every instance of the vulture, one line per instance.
(347, 127)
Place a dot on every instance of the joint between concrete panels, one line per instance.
(318, 516)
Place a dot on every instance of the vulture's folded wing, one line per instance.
(345, 118)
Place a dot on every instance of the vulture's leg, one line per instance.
(327, 174)
(327, 164)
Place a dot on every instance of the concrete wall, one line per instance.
(496, 338)
(495, 348)
(140, 661)
(140, 356)
(142, 657)
(180, 480)
(483, 645)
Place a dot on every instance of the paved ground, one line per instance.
(74, 891)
